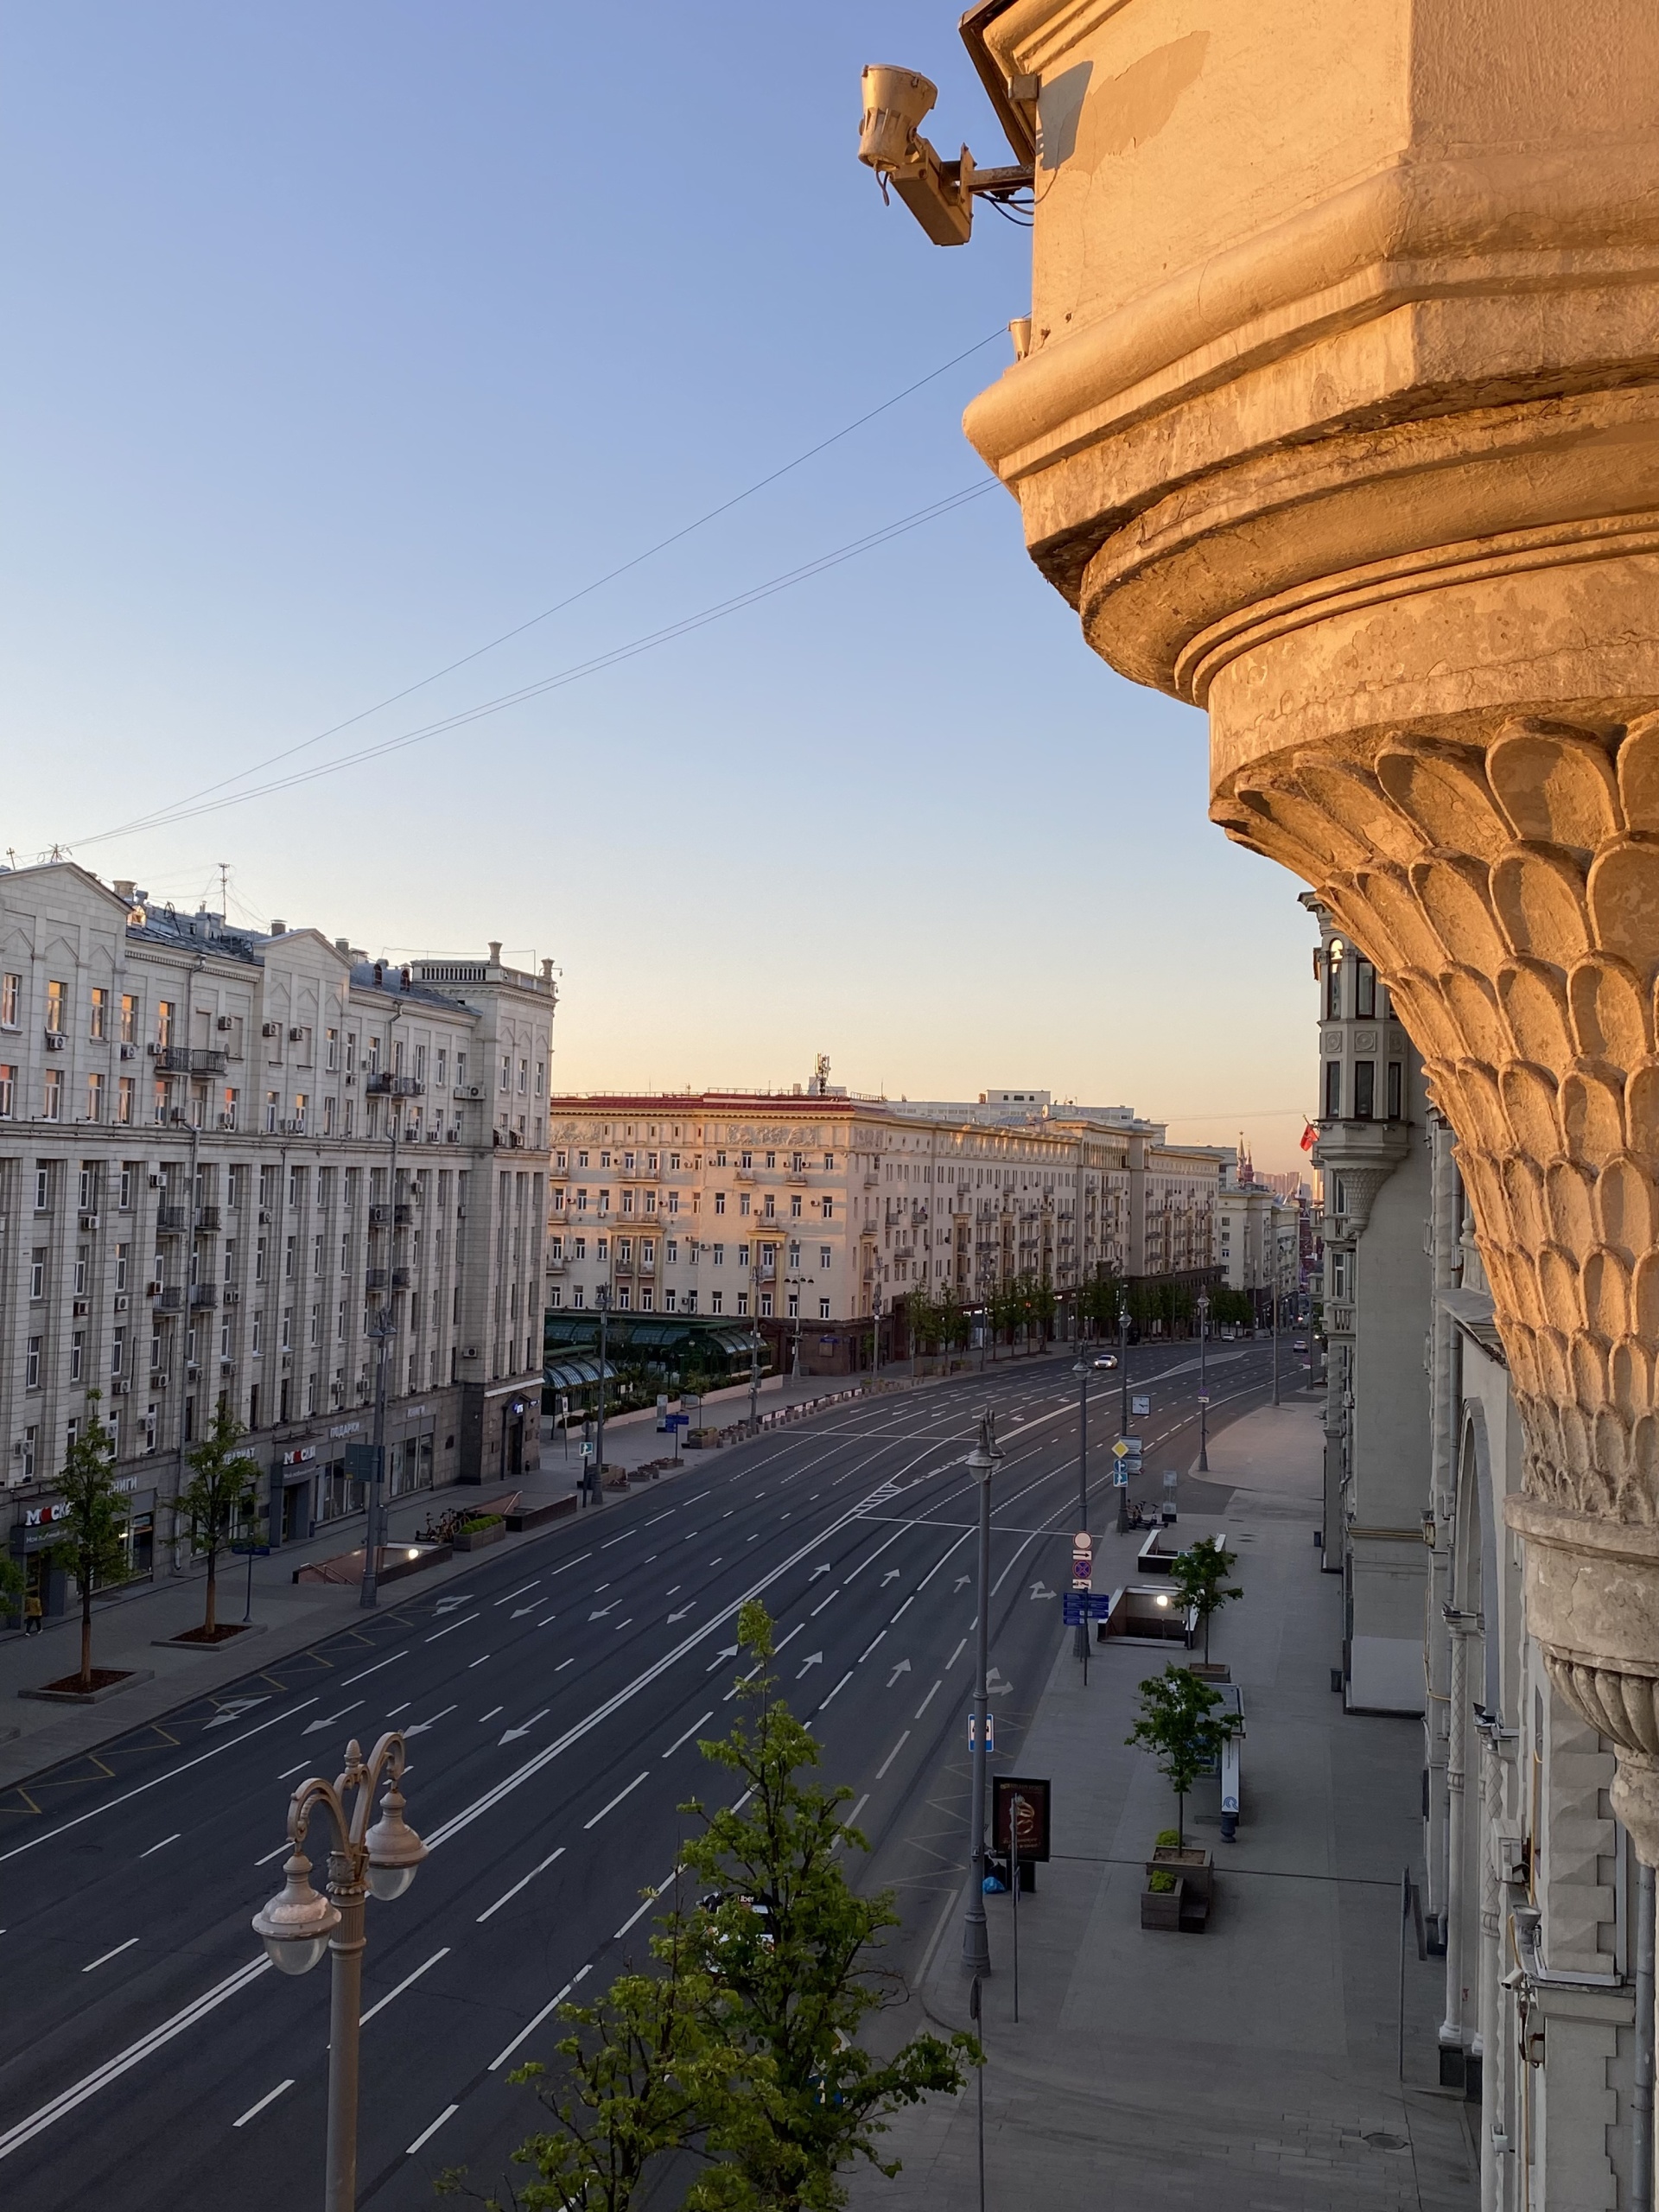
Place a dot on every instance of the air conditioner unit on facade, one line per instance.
(80, 1308)
(129, 1051)
(473, 1090)
(119, 1389)
(155, 1182)
(294, 1035)
(152, 1290)
(470, 1352)
(227, 1121)
(55, 1040)
(152, 1050)
(227, 1367)
(121, 1302)
(89, 1221)
(223, 1022)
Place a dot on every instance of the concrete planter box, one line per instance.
(230, 1632)
(1195, 1878)
(127, 1681)
(1161, 1909)
(478, 1540)
(532, 1516)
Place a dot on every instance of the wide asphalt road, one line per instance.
(149, 2057)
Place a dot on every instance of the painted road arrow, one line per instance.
(818, 1571)
(960, 1583)
(995, 1686)
(681, 1615)
(234, 1708)
(903, 1668)
(514, 1734)
(1041, 1590)
(329, 1720)
(892, 1575)
(603, 1610)
(730, 1652)
(421, 1726)
(814, 1659)
(518, 1611)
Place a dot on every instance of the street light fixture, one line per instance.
(1081, 1370)
(298, 1925)
(1204, 1391)
(975, 1934)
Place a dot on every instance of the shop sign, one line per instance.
(45, 1516)
(346, 1428)
(301, 1455)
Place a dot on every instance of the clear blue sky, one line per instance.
(342, 340)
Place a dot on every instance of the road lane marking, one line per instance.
(689, 1732)
(270, 2098)
(329, 1720)
(562, 1664)
(453, 1626)
(112, 2069)
(569, 1564)
(955, 1655)
(508, 1896)
(491, 1714)
(929, 1699)
(905, 1608)
(653, 1897)
(163, 1844)
(363, 1677)
(835, 1693)
(870, 1647)
(615, 1801)
(108, 1955)
(816, 1610)
(881, 1772)
(421, 1726)
(427, 2133)
(154, 1782)
(476, 1662)
(363, 2019)
(524, 2033)
(520, 1592)
(281, 1851)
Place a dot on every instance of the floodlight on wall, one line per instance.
(938, 193)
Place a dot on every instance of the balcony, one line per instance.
(376, 1278)
(171, 1220)
(400, 1278)
(190, 1059)
(171, 1300)
(203, 1294)
(379, 1085)
(207, 1218)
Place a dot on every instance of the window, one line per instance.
(124, 1095)
(119, 1352)
(95, 1097)
(826, 1255)
(52, 1104)
(99, 1017)
(443, 1072)
(743, 1202)
(719, 1251)
(164, 1013)
(32, 1364)
(54, 1000)
(1333, 1090)
(37, 1272)
(1333, 989)
(288, 1258)
(8, 1090)
(716, 1301)
(1364, 1089)
(828, 1209)
(129, 1019)
(742, 1302)
(523, 1078)
(506, 1072)
(720, 1201)
(82, 1258)
(331, 1048)
(11, 992)
(1364, 991)
(829, 1161)
(794, 1205)
(77, 1354)
(823, 1309)
(257, 1339)
(1395, 1087)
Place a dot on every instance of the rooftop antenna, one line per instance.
(223, 868)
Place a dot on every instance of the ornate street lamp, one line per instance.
(298, 1925)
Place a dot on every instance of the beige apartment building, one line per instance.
(817, 1206)
(1258, 1235)
(227, 1159)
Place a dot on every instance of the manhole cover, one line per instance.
(1380, 2140)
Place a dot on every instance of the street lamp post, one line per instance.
(298, 1926)
(975, 1934)
(595, 1474)
(381, 1331)
(1124, 1408)
(1081, 1370)
(1204, 1393)
(875, 1333)
(1276, 1312)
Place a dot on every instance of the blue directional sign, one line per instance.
(1079, 1606)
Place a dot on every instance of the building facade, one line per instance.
(1258, 1239)
(231, 1163)
(816, 1207)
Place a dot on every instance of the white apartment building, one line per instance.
(224, 1154)
(817, 1206)
(1258, 1237)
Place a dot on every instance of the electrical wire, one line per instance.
(635, 561)
(187, 812)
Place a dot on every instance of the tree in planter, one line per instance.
(792, 1958)
(95, 1517)
(639, 2080)
(1181, 1727)
(1200, 1574)
(221, 1490)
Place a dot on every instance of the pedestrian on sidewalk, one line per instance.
(33, 1613)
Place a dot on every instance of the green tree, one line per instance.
(95, 1519)
(794, 1959)
(1200, 1574)
(1181, 1727)
(12, 1586)
(952, 1322)
(1043, 1304)
(639, 2081)
(221, 1492)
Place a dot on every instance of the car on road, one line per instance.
(1107, 1359)
(1301, 1344)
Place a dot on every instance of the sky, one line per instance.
(346, 342)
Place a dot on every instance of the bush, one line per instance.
(1167, 1839)
(476, 1522)
(1161, 1880)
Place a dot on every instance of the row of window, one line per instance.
(621, 1301)
(1364, 1098)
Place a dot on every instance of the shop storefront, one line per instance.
(411, 1459)
(293, 1476)
(34, 1539)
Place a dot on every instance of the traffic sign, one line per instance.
(676, 1421)
(1083, 1541)
(990, 1732)
(1139, 1405)
(1121, 1476)
(1203, 1397)
(1079, 1606)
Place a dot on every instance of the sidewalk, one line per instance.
(34, 1736)
(1253, 2068)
